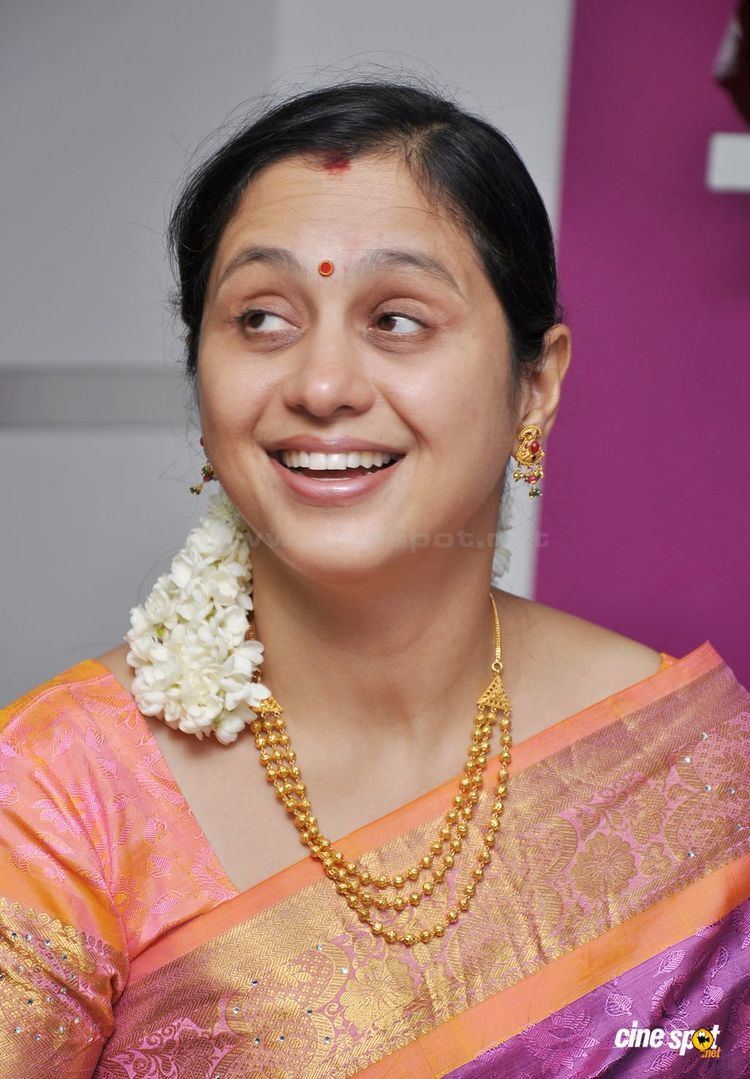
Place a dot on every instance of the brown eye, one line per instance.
(396, 316)
(253, 319)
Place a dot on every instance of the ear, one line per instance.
(541, 392)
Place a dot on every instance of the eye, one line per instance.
(392, 316)
(252, 319)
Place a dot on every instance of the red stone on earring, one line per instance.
(325, 268)
(534, 447)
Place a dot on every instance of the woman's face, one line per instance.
(402, 347)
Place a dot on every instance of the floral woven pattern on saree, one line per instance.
(616, 902)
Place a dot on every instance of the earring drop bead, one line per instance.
(529, 456)
(208, 475)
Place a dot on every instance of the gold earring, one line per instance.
(529, 455)
(208, 474)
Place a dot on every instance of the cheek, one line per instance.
(462, 411)
(479, 436)
(230, 399)
(477, 445)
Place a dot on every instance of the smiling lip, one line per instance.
(330, 491)
(317, 444)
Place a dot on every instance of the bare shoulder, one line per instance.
(115, 660)
(577, 662)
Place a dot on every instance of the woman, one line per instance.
(367, 281)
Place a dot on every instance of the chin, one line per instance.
(336, 560)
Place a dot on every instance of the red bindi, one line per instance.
(336, 161)
(325, 268)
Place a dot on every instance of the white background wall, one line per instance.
(102, 105)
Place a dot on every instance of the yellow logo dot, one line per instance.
(702, 1039)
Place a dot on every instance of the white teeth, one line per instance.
(323, 461)
(335, 460)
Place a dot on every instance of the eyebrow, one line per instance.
(382, 257)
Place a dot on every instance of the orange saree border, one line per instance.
(547, 990)
(190, 935)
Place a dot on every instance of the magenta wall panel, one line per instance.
(645, 515)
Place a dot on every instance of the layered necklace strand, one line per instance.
(351, 880)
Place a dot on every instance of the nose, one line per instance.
(329, 374)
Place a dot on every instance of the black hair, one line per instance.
(459, 160)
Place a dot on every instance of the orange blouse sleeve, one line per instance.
(100, 854)
(63, 961)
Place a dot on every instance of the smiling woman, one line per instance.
(407, 348)
(368, 287)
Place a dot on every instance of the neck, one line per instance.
(361, 664)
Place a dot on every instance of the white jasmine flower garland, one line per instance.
(194, 666)
(188, 643)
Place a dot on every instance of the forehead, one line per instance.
(368, 202)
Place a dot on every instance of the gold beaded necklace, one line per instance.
(279, 761)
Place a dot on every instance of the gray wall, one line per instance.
(102, 107)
